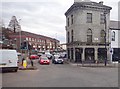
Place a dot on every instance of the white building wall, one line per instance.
(118, 38)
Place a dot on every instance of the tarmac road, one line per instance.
(58, 75)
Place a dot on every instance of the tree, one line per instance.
(14, 25)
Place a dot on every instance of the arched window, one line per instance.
(89, 35)
(72, 36)
(113, 36)
(102, 36)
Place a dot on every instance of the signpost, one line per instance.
(111, 53)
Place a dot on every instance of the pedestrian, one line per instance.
(24, 63)
(31, 62)
(23, 60)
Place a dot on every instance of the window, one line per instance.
(29, 39)
(113, 36)
(102, 36)
(72, 36)
(26, 38)
(39, 40)
(68, 22)
(35, 40)
(71, 19)
(102, 18)
(89, 35)
(32, 39)
(68, 37)
(89, 17)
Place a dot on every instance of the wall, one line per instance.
(80, 26)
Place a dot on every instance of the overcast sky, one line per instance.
(44, 17)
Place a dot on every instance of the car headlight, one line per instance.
(55, 60)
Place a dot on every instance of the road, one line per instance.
(58, 75)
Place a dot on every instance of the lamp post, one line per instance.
(20, 35)
(105, 22)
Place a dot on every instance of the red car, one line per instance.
(34, 57)
(44, 60)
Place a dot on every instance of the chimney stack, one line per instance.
(101, 2)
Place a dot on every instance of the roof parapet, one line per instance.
(77, 1)
(82, 1)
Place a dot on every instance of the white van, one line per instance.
(8, 60)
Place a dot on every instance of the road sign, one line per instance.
(111, 50)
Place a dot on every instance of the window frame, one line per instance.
(89, 17)
(68, 22)
(113, 35)
(72, 19)
(89, 35)
(68, 37)
(102, 18)
(72, 36)
(102, 35)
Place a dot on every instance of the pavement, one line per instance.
(113, 64)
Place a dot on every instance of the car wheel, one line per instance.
(15, 70)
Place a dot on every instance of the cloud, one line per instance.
(36, 17)
(45, 17)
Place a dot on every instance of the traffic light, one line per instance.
(24, 45)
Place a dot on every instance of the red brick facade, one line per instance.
(37, 42)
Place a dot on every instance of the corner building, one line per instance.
(87, 31)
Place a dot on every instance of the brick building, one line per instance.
(37, 42)
(16, 38)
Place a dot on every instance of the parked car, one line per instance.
(57, 60)
(48, 55)
(33, 56)
(8, 60)
(40, 53)
(44, 60)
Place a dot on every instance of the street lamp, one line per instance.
(105, 38)
(20, 35)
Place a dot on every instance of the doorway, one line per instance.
(78, 55)
(90, 54)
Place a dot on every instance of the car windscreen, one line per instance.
(44, 58)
